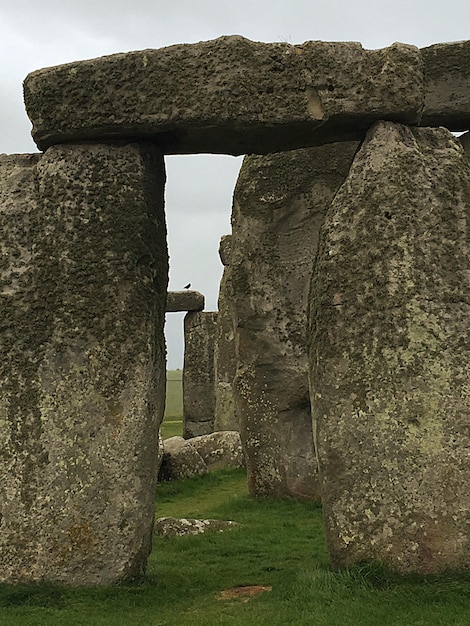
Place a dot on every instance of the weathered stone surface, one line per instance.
(279, 204)
(184, 301)
(220, 449)
(447, 85)
(225, 363)
(198, 373)
(389, 356)
(229, 95)
(189, 458)
(82, 379)
(180, 460)
(171, 527)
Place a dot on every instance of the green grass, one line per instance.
(279, 543)
(172, 424)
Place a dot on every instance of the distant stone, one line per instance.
(389, 367)
(180, 460)
(220, 449)
(184, 301)
(229, 95)
(447, 85)
(279, 204)
(198, 373)
(189, 458)
(225, 362)
(171, 527)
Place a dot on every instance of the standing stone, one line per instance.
(83, 365)
(279, 204)
(198, 373)
(225, 358)
(389, 355)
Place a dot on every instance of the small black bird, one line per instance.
(187, 286)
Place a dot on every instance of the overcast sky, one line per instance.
(41, 33)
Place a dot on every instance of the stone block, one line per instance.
(180, 460)
(184, 301)
(225, 362)
(389, 353)
(447, 85)
(198, 373)
(279, 204)
(82, 381)
(219, 449)
(229, 95)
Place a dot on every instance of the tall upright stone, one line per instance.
(225, 363)
(278, 208)
(389, 355)
(82, 380)
(198, 373)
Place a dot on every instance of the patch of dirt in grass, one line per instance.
(243, 594)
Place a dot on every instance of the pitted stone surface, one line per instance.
(229, 95)
(225, 363)
(83, 364)
(171, 527)
(447, 85)
(390, 376)
(198, 373)
(184, 301)
(279, 204)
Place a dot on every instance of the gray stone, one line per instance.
(278, 208)
(171, 527)
(390, 382)
(229, 95)
(219, 450)
(447, 85)
(184, 301)
(198, 373)
(225, 362)
(180, 460)
(82, 379)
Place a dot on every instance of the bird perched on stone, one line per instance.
(187, 286)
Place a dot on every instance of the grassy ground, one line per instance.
(172, 421)
(279, 544)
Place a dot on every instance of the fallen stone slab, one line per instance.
(171, 527)
(221, 449)
(184, 301)
(180, 460)
(389, 355)
(229, 95)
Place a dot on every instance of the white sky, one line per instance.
(40, 33)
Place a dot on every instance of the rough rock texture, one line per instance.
(170, 527)
(184, 301)
(225, 362)
(229, 95)
(198, 373)
(279, 204)
(447, 85)
(82, 378)
(389, 356)
(180, 460)
(220, 449)
(188, 458)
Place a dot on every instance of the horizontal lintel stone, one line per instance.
(229, 95)
(184, 301)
